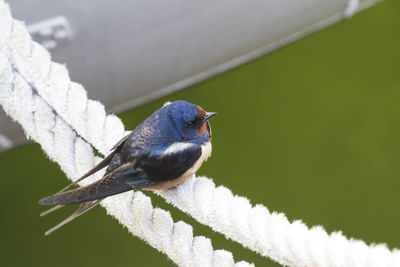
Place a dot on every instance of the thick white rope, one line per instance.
(269, 234)
(75, 156)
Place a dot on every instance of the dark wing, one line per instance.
(145, 171)
(167, 167)
(104, 163)
(111, 184)
(119, 144)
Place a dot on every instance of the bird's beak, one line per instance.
(209, 114)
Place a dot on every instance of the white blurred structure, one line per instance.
(126, 53)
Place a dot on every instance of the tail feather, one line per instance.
(84, 207)
(105, 162)
(98, 190)
(44, 213)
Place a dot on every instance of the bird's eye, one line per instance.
(189, 124)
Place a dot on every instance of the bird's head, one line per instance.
(189, 121)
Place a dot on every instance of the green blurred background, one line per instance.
(311, 130)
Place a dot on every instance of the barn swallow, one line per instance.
(162, 152)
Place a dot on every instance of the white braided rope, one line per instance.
(269, 234)
(75, 156)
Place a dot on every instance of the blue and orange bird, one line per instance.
(162, 152)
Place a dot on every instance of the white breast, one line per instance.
(177, 147)
(206, 150)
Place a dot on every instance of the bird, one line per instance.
(165, 150)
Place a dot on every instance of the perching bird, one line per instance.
(162, 152)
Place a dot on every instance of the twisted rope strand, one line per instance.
(75, 156)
